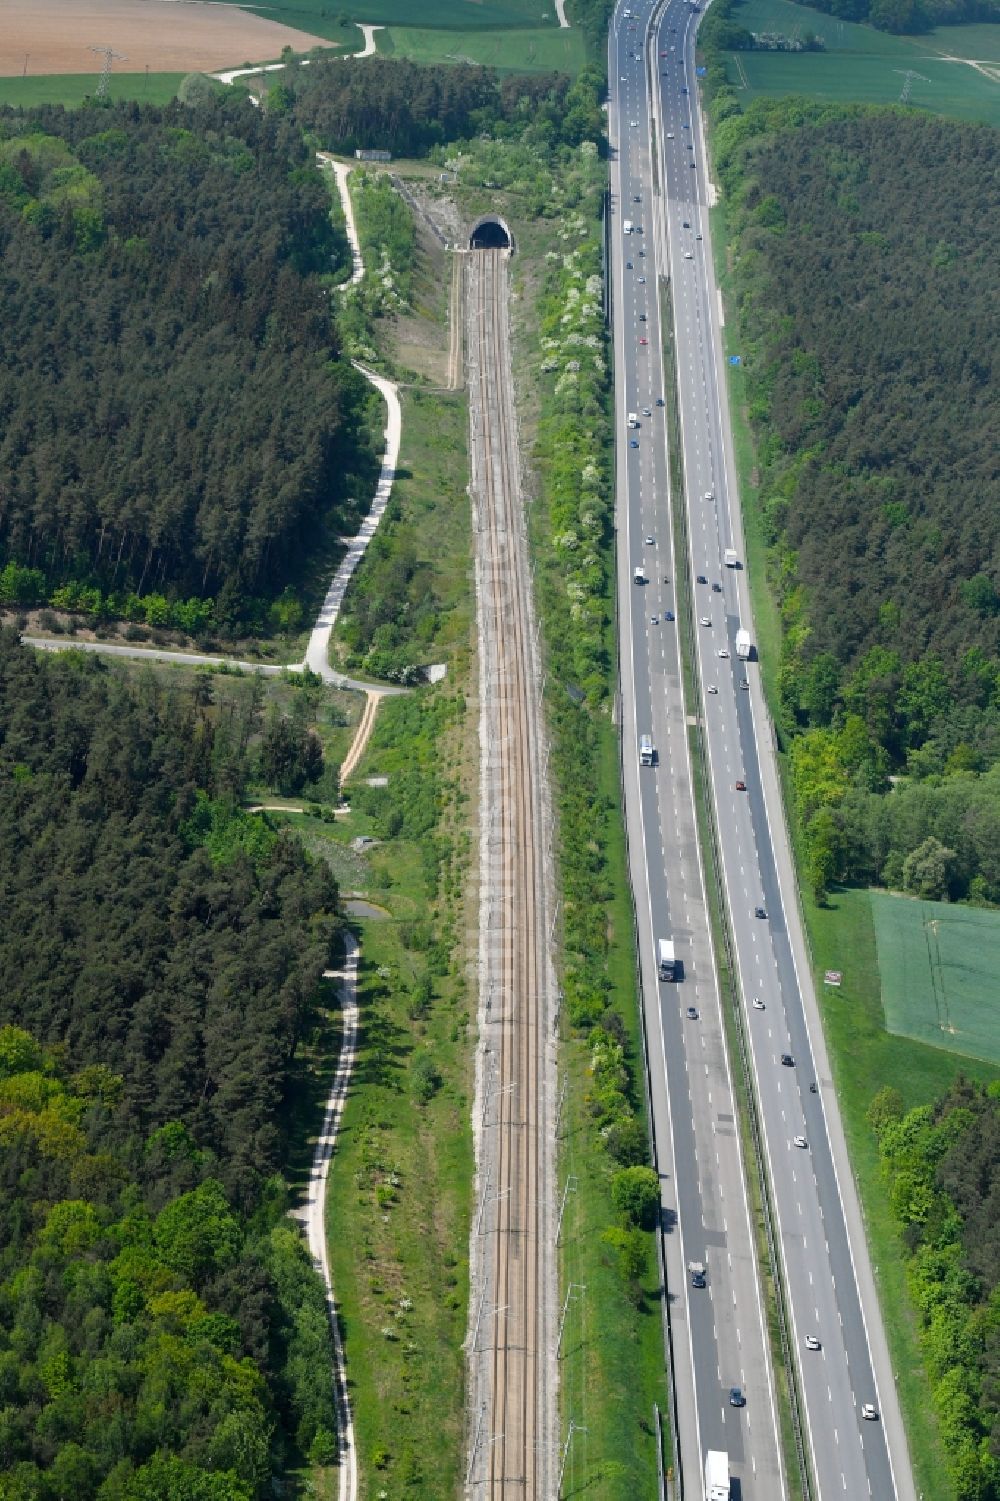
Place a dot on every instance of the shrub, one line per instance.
(635, 1193)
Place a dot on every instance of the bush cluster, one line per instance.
(941, 1166)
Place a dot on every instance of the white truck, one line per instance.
(639, 575)
(716, 1475)
(732, 560)
(632, 420)
(647, 754)
(666, 962)
(744, 646)
(627, 227)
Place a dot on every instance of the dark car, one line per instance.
(685, 224)
(788, 1060)
(628, 265)
(660, 402)
(698, 1279)
(736, 1397)
(812, 1087)
(633, 442)
(668, 614)
(716, 587)
(760, 912)
(741, 786)
(702, 579)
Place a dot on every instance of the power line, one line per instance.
(107, 53)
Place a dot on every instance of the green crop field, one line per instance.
(957, 67)
(73, 88)
(537, 51)
(322, 17)
(940, 969)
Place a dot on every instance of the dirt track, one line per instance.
(165, 36)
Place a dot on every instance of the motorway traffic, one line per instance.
(660, 237)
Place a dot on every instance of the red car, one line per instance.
(643, 341)
(741, 786)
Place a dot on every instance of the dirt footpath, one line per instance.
(165, 36)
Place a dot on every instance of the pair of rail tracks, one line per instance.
(511, 1456)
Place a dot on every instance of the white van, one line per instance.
(646, 750)
(627, 226)
(639, 576)
(633, 420)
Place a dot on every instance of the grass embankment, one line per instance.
(864, 1056)
(410, 602)
(956, 67)
(73, 88)
(400, 1185)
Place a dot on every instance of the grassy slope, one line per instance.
(865, 65)
(525, 51)
(864, 1056)
(322, 18)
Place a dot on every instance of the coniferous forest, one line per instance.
(163, 1336)
(175, 413)
(870, 296)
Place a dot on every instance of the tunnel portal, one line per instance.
(491, 233)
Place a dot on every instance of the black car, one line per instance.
(660, 402)
(668, 614)
(760, 912)
(788, 1060)
(685, 224)
(702, 579)
(812, 1087)
(716, 588)
(698, 1279)
(736, 1397)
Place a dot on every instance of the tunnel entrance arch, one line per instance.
(491, 233)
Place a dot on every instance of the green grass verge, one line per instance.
(523, 51)
(864, 1056)
(74, 88)
(612, 1367)
(322, 17)
(862, 65)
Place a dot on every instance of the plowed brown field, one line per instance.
(165, 36)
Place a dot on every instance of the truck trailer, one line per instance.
(716, 1475)
(666, 962)
(744, 646)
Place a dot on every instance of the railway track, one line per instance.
(514, 1437)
